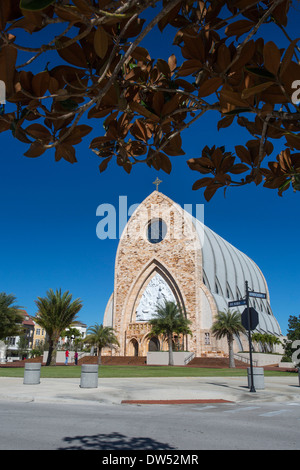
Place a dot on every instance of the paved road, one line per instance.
(58, 414)
(49, 426)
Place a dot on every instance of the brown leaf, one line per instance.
(173, 148)
(288, 56)
(245, 56)
(40, 83)
(139, 130)
(210, 86)
(238, 168)
(202, 183)
(104, 163)
(158, 102)
(165, 163)
(272, 57)
(8, 57)
(73, 54)
(243, 154)
(65, 151)
(189, 66)
(134, 106)
(37, 131)
(171, 105)
(210, 190)
(232, 97)
(223, 57)
(35, 150)
(238, 28)
(225, 122)
(101, 42)
(293, 141)
(255, 90)
(172, 61)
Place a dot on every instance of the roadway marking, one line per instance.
(273, 413)
(247, 408)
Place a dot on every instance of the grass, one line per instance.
(136, 371)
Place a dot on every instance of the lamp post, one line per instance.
(252, 388)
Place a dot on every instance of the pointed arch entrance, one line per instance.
(154, 285)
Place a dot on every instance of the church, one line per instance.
(165, 253)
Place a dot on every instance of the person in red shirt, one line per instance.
(67, 357)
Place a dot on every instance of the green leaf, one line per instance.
(35, 5)
(69, 104)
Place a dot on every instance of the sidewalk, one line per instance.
(117, 391)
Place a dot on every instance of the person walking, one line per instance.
(76, 358)
(67, 357)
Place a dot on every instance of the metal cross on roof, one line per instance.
(157, 182)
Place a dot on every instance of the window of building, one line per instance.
(207, 338)
(156, 230)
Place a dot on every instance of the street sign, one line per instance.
(260, 295)
(253, 318)
(235, 303)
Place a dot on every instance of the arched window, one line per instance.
(154, 344)
(156, 230)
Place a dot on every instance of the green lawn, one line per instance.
(136, 371)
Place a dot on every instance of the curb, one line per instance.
(173, 402)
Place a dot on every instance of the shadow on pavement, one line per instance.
(112, 441)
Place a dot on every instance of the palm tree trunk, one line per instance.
(99, 356)
(230, 348)
(171, 357)
(49, 358)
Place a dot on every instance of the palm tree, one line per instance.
(56, 312)
(168, 320)
(10, 316)
(227, 325)
(266, 341)
(101, 336)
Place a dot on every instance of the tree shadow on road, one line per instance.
(112, 441)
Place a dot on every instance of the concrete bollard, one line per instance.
(89, 376)
(258, 378)
(32, 373)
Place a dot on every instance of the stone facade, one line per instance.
(177, 260)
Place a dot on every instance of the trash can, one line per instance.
(89, 376)
(32, 373)
(258, 378)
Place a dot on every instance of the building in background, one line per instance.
(166, 254)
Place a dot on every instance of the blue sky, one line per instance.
(48, 221)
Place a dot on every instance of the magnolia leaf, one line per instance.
(272, 57)
(288, 56)
(100, 42)
(40, 83)
(255, 89)
(73, 53)
(263, 73)
(35, 150)
(104, 163)
(210, 86)
(37, 131)
(238, 28)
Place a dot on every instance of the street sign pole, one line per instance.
(252, 388)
